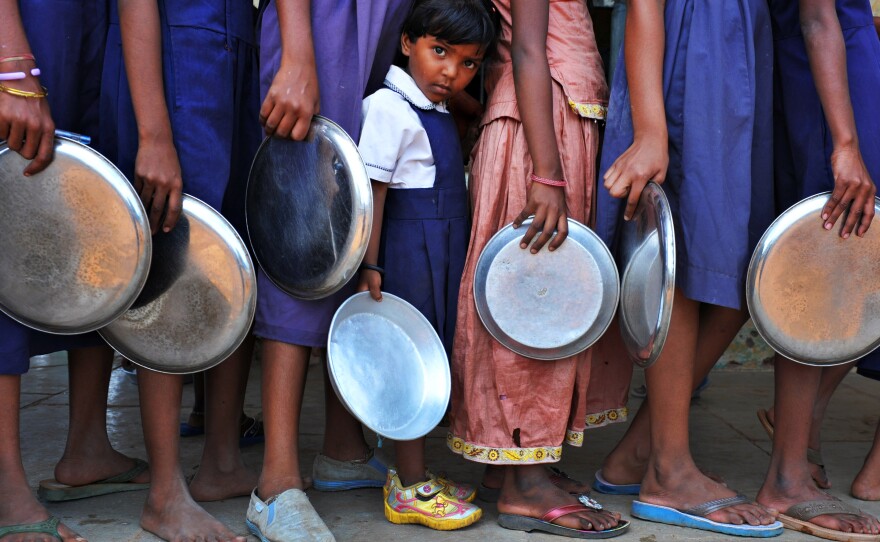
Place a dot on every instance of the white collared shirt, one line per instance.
(394, 144)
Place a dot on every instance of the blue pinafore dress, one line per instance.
(425, 232)
(802, 138)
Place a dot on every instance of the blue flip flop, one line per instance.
(695, 518)
(602, 485)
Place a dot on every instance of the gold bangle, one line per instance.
(24, 93)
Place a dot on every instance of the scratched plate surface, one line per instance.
(199, 299)
(815, 297)
(74, 241)
(549, 305)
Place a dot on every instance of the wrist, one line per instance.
(155, 134)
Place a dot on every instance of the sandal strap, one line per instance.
(555, 513)
(806, 511)
(47, 526)
(707, 508)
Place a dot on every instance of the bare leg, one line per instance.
(866, 486)
(527, 491)
(89, 456)
(788, 480)
(343, 436)
(17, 503)
(718, 326)
(410, 456)
(170, 512)
(493, 477)
(672, 479)
(284, 380)
(197, 414)
(222, 473)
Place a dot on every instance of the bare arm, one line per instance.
(157, 173)
(534, 96)
(294, 96)
(372, 280)
(648, 157)
(25, 123)
(826, 50)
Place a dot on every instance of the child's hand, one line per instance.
(292, 100)
(548, 205)
(27, 127)
(158, 179)
(853, 191)
(372, 281)
(645, 160)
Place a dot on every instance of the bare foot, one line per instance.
(79, 471)
(528, 491)
(211, 484)
(269, 487)
(631, 470)
(493, 477)
(28, 510)
(817, 471)
(683, 486)
(178, 518)
(866, 486)
(781, 494)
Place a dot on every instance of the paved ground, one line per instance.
(727, 439)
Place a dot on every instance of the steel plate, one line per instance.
(388, 366)
(199, 300)
(814, 297)
(74, 239)
(647, 256)
(549, 305)
(309, 210)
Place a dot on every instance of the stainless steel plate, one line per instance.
(309, 210)
(199, 300)
(647, 257)
(549, 305)
(388, 366)
(74, 241)
(814, 297)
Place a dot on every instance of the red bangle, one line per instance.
(549, 182)
(15, 58)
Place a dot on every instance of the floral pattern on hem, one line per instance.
(601, 419)
(503, 456)
(574, 438)
(587, 110)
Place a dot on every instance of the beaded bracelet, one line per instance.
(15, 58)
(548, 182)
(24, 93)
(370, 267)
(17, 76)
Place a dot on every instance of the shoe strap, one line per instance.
(430, 488)
(555, 513)
(806, 511)
(48, 526)
(707, 508)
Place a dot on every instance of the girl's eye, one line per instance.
(470, 64)
(439, 50)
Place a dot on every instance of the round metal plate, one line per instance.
(814, 297)
(74, 239)
(647, 257)
(309, 210)
(199, 300)
(549, 305)
(388, 366)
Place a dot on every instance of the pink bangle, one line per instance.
(16, 76)
(548, 182)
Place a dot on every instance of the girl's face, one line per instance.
(441, 69)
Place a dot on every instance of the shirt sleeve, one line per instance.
(382, 140)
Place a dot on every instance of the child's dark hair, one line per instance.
(455, 22)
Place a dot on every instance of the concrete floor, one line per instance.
(726, 439)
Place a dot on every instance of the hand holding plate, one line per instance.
(26, 125)
(547, 204)
(292, 100)
(371, 280)
(158, 179)
(853, 190)
(647, 159)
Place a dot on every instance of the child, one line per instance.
(314, 57)
(179, 92)
(827, 138)
(691, 110)
(410, 144)
(546, 92)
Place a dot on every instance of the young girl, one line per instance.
(421, 226)
(179, 92)
(315, 57)
(546, 93)
(827, 138)
(691, 108)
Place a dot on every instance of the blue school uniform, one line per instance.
(211, 91)
(67, 40)
(803, 142)
(717, 88)
(425, 231)
(355, 42)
